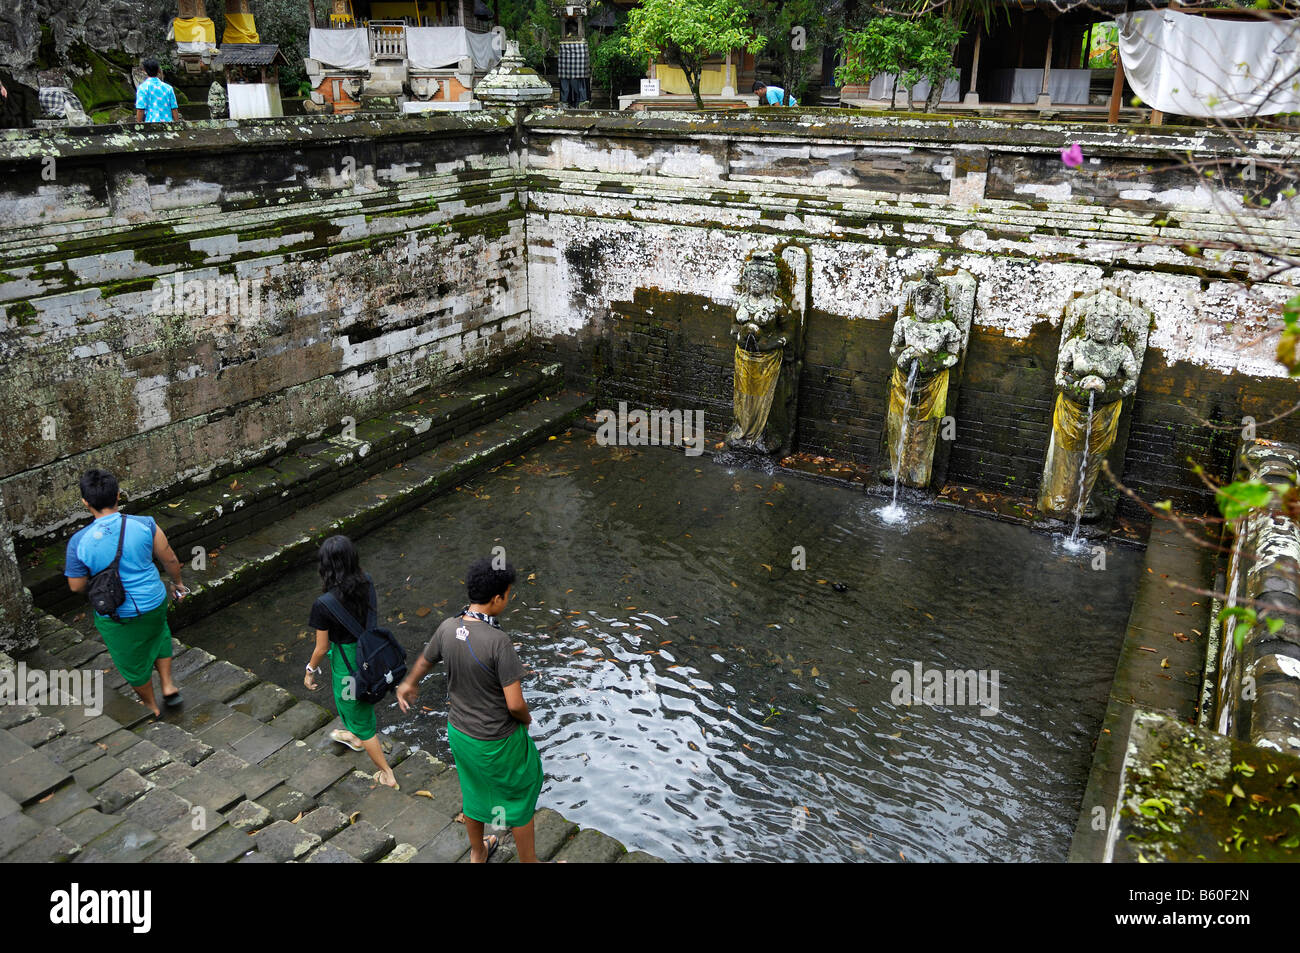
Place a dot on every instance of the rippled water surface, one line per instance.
(697, 697)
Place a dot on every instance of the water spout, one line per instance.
(1083, 474)
(893, 513)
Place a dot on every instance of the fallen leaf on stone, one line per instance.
(424, 794)
(352, 818)
(297, 819)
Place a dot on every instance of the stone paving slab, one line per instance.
(211, 793)
(264, 701)
(127, 843)
(180, 744)
(54, 809)
(222, 846)
(16, 830)
(591, 847)
(283, 841)
(363, 841)
(50, 846)
(330, 854)
(97, 772)
(220, 680)
(31, 777)
(302, 719)
(37, 731)
(550, 833)
(121, 790)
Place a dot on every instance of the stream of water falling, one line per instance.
(893, 513)
(1083, 473)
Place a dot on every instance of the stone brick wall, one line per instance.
(660, 213)
(374, 259)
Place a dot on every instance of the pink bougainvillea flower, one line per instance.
(1072, 156)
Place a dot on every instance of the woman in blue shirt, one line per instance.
(139, 640)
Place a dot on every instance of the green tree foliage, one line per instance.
(794, 32)
(688, 32)
(612, 65)
(912, 49)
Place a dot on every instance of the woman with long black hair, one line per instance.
(342, 577)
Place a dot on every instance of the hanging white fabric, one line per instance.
(441, 47)
(341, 49)
(1196, 66)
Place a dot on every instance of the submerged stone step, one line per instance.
(263, 555)
(237, 503)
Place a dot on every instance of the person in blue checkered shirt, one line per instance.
(155, 101)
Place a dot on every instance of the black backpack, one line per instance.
(106, 592)
(380, 656)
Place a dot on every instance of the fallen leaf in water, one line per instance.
(813, 671)
(423, 611)
(766, 566)
(1164, 663)
(1145, 649)
(381, 496)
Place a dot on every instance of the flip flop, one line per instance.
(173, 700)
(337, 735)
(375, 777)
(492, 845)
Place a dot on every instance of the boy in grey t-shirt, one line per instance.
(498, 764)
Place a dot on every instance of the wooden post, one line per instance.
(311, 13)
(1044, 97)
(972, 95)
(1116, 88)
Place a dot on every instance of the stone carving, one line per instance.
(766, 329)
(218, 105)
(1103, 338)
(929, 338)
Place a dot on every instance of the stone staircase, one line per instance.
(254, 524)
(243, 772)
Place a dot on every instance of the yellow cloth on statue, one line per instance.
(712, 79)
(753, 388)
(929, 398)
(1060, 490)
(194, 30)
(240, 28)
(1070, 423)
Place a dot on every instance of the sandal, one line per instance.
(395, 786)
(337, 735)
(492, 844)
(174, 699)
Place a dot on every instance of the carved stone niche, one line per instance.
(926, 350)
(1103, 342)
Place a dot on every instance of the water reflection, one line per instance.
(698, 696)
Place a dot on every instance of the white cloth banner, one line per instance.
(441, 47)
(1195, 66)
(882, 87)
(341, 49)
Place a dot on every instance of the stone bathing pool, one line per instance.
(698, 698)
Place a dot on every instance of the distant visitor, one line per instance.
(773, 95)
(155, 101)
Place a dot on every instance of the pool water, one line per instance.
(698, 695)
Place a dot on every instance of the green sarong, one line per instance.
(358, 717)
(499, 780)
(137, 642)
